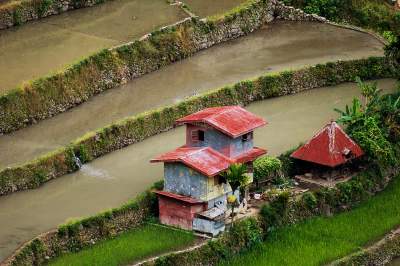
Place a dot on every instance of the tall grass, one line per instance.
(129, 247)
(320, 240)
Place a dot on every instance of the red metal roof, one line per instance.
(187, 199)
(231, 120)
(328, 147)
(250, 155)
(205, 160)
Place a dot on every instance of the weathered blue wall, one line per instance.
(182, 180)
(207, 226)
(219, 141)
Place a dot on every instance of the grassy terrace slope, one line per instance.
(129, 247)
(321, 240)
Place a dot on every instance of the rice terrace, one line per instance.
(200, 132)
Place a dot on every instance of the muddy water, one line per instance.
(395, 262)
(204, 8)
(37, 48)
(119, 176)
(279, 46)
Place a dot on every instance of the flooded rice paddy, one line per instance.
(38, 48)
(395, 262)
(205, 8)
(278, 46)
(119, 176)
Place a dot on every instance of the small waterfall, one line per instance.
(77, 161)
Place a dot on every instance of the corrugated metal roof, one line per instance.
(179, 197)
(212, 213)
(250, 155)
(329, 147)
(231, 120)
(205, 160)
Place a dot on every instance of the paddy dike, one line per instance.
(41, 47)
(117, 177)
(278, 46)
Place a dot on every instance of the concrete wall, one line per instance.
(182, 180)
(207, 226)
(218, 141)
(177, 213)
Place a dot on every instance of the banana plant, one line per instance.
(352, 114)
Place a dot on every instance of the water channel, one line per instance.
(395, 262)
(205, 8)
(278, 46)
(119, 176)
(39, 47)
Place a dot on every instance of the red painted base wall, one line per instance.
(178, 213)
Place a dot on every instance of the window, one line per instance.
(197, 135)
(201, 135)
(247, 136)
(218, 180)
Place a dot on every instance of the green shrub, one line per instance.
(43, 6)
(267, 167)
(17, 17)
(274, 213)
(309, 200)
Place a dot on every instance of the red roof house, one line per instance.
(194, 195)
(331, 146)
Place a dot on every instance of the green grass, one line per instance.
(320, 240)
(129, 247)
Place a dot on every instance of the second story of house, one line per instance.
(227, 129)
(195, 172)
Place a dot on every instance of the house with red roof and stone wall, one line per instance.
(195, 193)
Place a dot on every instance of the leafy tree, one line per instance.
(392, 51)
(372, 139)
(374, 123)
(236, 175)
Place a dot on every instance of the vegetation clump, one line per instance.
(373, 14)
(267, 168)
